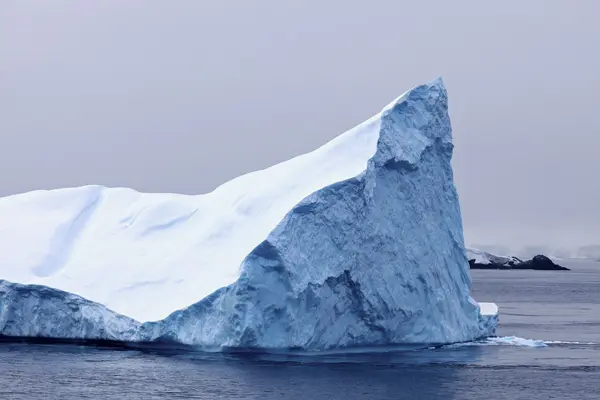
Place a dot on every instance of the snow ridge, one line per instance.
(482, 257)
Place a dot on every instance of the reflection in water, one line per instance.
(475, 371)
(113, 373)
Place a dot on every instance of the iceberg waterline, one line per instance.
(357, 243)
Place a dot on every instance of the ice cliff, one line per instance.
(40, 311)
(357, 243)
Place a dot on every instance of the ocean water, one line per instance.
(548, 348)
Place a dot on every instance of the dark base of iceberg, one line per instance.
(170, 347)
(100, 343)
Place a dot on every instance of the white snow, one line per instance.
(477, 255)
(483, 257)
(147, 255)
(488, 309)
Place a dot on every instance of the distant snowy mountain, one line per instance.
(482, 257)
(482, 260)
(359, 242)
(555, 252)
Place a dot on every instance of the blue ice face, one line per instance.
(376, 259)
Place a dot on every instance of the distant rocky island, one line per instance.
(556, 251)
(482, 260)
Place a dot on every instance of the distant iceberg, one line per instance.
(359, 242)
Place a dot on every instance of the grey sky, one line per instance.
(183, 95)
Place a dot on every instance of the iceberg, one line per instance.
(357, 243)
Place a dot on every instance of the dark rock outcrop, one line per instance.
(540, 262)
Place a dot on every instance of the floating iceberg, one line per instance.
(357, 243)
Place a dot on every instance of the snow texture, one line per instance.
(359, 242)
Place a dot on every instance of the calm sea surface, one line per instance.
(548, 348)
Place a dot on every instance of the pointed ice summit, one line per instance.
(357, 243)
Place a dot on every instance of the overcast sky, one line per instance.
(181, 96)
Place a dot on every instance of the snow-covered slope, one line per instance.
(358, 242)
(146, 255)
